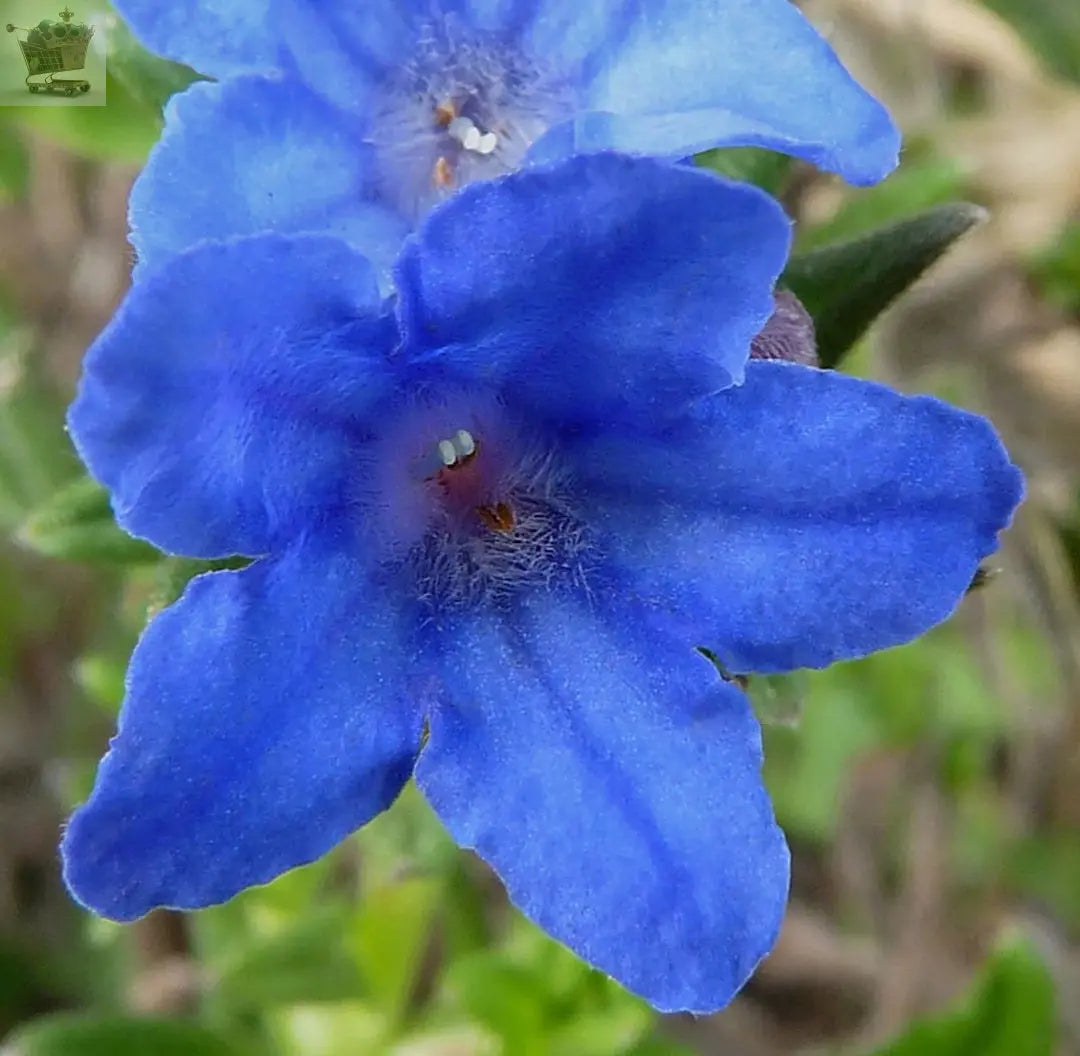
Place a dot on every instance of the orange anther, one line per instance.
(443, 174)
(445, 112)
(499, 518)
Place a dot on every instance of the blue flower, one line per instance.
(507, 513)
(355, 118)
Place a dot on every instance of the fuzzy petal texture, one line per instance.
(667, 77)
(803, 518)
(605, 286)
(258, 154)
(630, 826)
(218, 37)
(345, 50)
(267, 716)
(221, 403)
(691, 74)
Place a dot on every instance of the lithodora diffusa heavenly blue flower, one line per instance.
(507, 512)
(355, 118)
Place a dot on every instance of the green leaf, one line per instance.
(1010, 1012)
(453, 1039)
(661, 1047)
(306, 962)
(77, 524)
(806, 768)
(504, 998)
(846, 286)
(101, 678)
(390, 935)
(764, 168)
(347, 1028)
(32, 463)
(148, 78)
(123, 130)
(78, 1035)
(920, 184)
(603, 1033)
(14, 164)
(172, 576)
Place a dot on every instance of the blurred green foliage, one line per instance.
(124, 130)
(765, 168)
(397, 943)
(1051, 28)
(1010, 1012)
(14, 165)
(1056, 271)
(77, 523)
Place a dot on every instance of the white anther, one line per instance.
(447, 452)
(460, 128)
(470, 137)
(464, 443)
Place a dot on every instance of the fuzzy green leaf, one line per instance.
(150, 79)
(77, 524)
(846, 286)
(67, 1035)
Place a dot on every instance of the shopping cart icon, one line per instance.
(50, 48)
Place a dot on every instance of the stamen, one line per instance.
(470, 137)
(499, 518)
(447, 452)
(464, 131)
(471, 505)
(443, 174)
(464, 442)
(445, 113)
(463, 107)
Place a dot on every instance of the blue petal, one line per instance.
(221, 402)
(505, 18)
(268, 715)
(632, 828)
(222, 38)
(694, 74)
(604, 286)
(804, 518)
(255, 154)
(344, 50)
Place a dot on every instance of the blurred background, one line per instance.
(931, 794)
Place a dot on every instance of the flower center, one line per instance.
(467, 107)
(454, 469)
(472, 508)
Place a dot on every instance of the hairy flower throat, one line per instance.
(466, 108)
(474, 507)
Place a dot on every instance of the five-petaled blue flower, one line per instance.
(353, 118)
(507, 511)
